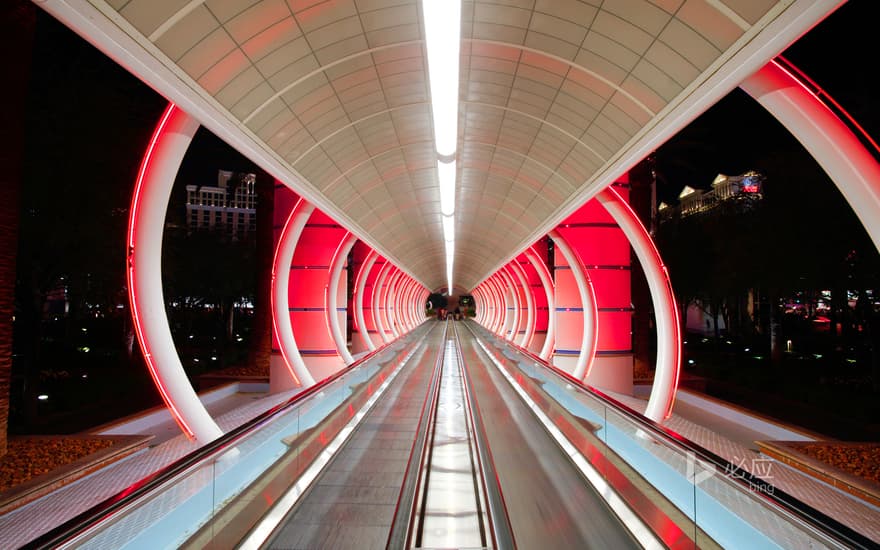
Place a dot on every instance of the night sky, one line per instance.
(737, 134)
(87, 113)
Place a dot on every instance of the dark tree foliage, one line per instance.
(88, 122)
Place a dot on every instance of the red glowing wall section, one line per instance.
(309, 277)
(605, 251)
(285, 200)
(539, 294)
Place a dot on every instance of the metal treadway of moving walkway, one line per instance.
(449, 438)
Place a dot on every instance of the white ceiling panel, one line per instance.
(557, 97)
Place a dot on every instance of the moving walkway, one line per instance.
(450, 438)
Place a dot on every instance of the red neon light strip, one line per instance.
(676, 325)
(134, 304)
(817, 91)
(272, 296)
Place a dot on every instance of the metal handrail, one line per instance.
(106, 509)
(804, 512)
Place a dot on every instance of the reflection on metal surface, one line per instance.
(452, 515)
(273, 518)
(632, 522)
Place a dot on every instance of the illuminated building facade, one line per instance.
(231, 204)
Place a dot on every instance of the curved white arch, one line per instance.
(588, 302)
(391, 312)
(405, 303)
(835, 147)
(665, 311)
(477, 294)
(287, 242)
(550, 291)
(412, 299)
(489, 298)
(360, 284)
(514, 298)
(529, 332)
(339, 259)
(146, 224)
(378, 297)
(505, 315)
(499, 305)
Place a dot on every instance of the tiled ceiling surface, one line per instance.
(551, 91)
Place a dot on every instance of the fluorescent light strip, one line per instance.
(633, 523)
(446, 175)
(448, 228)
(443, 41)
(450, 256)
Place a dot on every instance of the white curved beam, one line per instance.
(529, 332)
(500, 305)
(514, 297)
(550, 291)
(412, 298)
(834, 146)
(391, 302)
(668, 365)
(409, 300)
(339, 259)
(146, 223)
(391, 299)
(477, 294)
(287, 242)
(378, 297)
(588, 305)
(361, 283)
